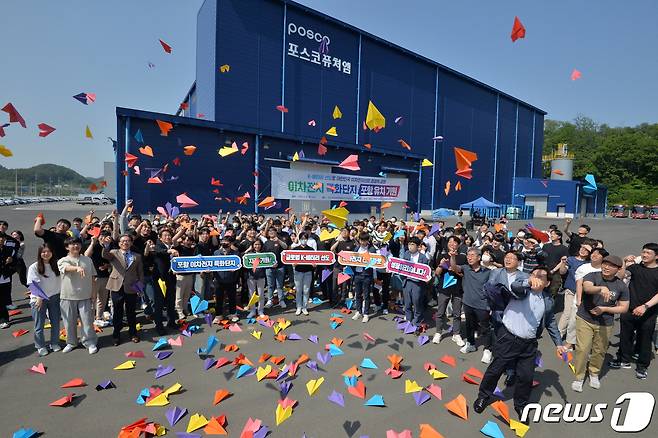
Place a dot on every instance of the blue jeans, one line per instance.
(414, 302)
(275, 281)
(39, 316)
(149, 295)
(302, 288)
(362, 286)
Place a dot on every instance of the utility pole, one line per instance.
(35, 184)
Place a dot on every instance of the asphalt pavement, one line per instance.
(26, 395)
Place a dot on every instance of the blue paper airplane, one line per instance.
(492, 430)
(375, 400)
(335, 351)
(212, 341)
(24, 433)
(139, 137)
(368, 363)
(449, 280)
(162, 342)
(198, 305)
(244, 370)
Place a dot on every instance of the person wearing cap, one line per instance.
(640, 322)
(604, 295)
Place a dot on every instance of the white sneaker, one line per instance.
(468, 348)
(235, 318)
(144, 306)
(457, 339)
(486, 356)
(93, 349)
(43, 351)
(437, 338)
(594, 382)
(385, 312)
(107, 315)
(12, 307)
(98, 322)
(4, 325)
(282, 304)
(305, 312)
(68, 348)
(366, 318)
(298, 311)
(261, 314)
(356, 315)
(55, 348)
(268, 304)
(577, 385)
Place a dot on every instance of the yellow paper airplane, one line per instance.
(196, 422)
(411, 386)
(332, 131)
(518, 427)
(253, 300)
(282, 414)
(337, 215)
(163, 286)
(337, 113)
(262, 372)
(160, 430)
(328, 235)
(173, 389)
(436, 374)
(374, 119)
(426, 163)
(276, 329)
(88, 132)
(256, 334)
(313, 385)
(224, 68)
(160, 400)
(283, 324)
(5, 152)
(127, 365)
(228, 150)
(295, 157)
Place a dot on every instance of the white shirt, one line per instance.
(511, 276)
(585, 269)
(414, 257)
(49, 283)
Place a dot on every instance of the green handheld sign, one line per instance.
(265, 260)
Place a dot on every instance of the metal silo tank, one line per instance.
(564, 166)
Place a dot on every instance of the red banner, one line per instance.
(416, 271)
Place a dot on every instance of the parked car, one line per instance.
(95, 199)
(653, 213)
(640, 212)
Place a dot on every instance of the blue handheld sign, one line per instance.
(182, 265)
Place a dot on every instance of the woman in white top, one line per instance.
(44, 280)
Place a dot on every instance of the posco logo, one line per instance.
(308, 33)
(637, 416)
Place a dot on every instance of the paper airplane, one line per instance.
(127, 365)
(502, 409)
(14, 115)
(426, 163)
(146, 150)
(45, 130)
(197, 421)
(375, 400)
(64, 401)
(427, 431)
(421, 397)
(591, 186)
(450, 360)
(24, 433)
(337, 114)
(88, 133)
(105, 384)
(435, 390)
(519, 428)
(411, 386)
(186, 201)
(491, 429)
(313, 385)
(166, 47)
(518, 30)
(162, 371)
(575, 75)
(39, 368)
(74, 383)
(337, 216)
(282, 414)
(216, 425)
(368, 363)
(332, 131)
(374, 118)
(458, 407)
(175, 414)
(165, 127)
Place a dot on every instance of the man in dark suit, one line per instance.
(126, 279)
(412, 289)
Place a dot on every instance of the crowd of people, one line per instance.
(492, 286)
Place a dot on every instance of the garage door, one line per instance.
(540, 204)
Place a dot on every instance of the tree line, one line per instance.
(624, 159)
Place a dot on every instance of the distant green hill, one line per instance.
(50, 179)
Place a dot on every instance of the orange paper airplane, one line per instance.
(165, 127)
(458, 407)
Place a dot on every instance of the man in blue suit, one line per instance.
(412, 290)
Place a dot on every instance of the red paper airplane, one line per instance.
(518, 31)
(154, 180)
(14, 115)
(575, 75)
(282, 108)
(215, 182)
(165, 46)
(404, 144)
(67, 399)
(131, 159)
(38, 368)
(45, 130)
(465, 173)
(176, 161)
(74, 383)
(245, 148)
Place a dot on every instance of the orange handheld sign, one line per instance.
(299, 257)
(362, 259)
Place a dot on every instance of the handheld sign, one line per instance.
(299, 257)
(415, 271)
(183, 265)
(265, 260)
(362, 259)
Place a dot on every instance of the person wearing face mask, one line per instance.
(225, 284)
(303, 275)
(412, 289)
(363, 280)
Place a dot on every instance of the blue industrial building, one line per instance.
(278, 53)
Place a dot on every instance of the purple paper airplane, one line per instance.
(175, 414)
(410, 328)
(209, 363)
(188, 435)
(283, 374)
(421, 397)
(208, 318)
(423, 339)
(324, 358)
(313, 338)
(284, 388)
(313, 365)
(539, 362)
(162, 355)
(105, 384)
(499, 393)
(294, 337)
(37, 291)
(163, 371)
(262, 432)
(326, 273)
(337, 397)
